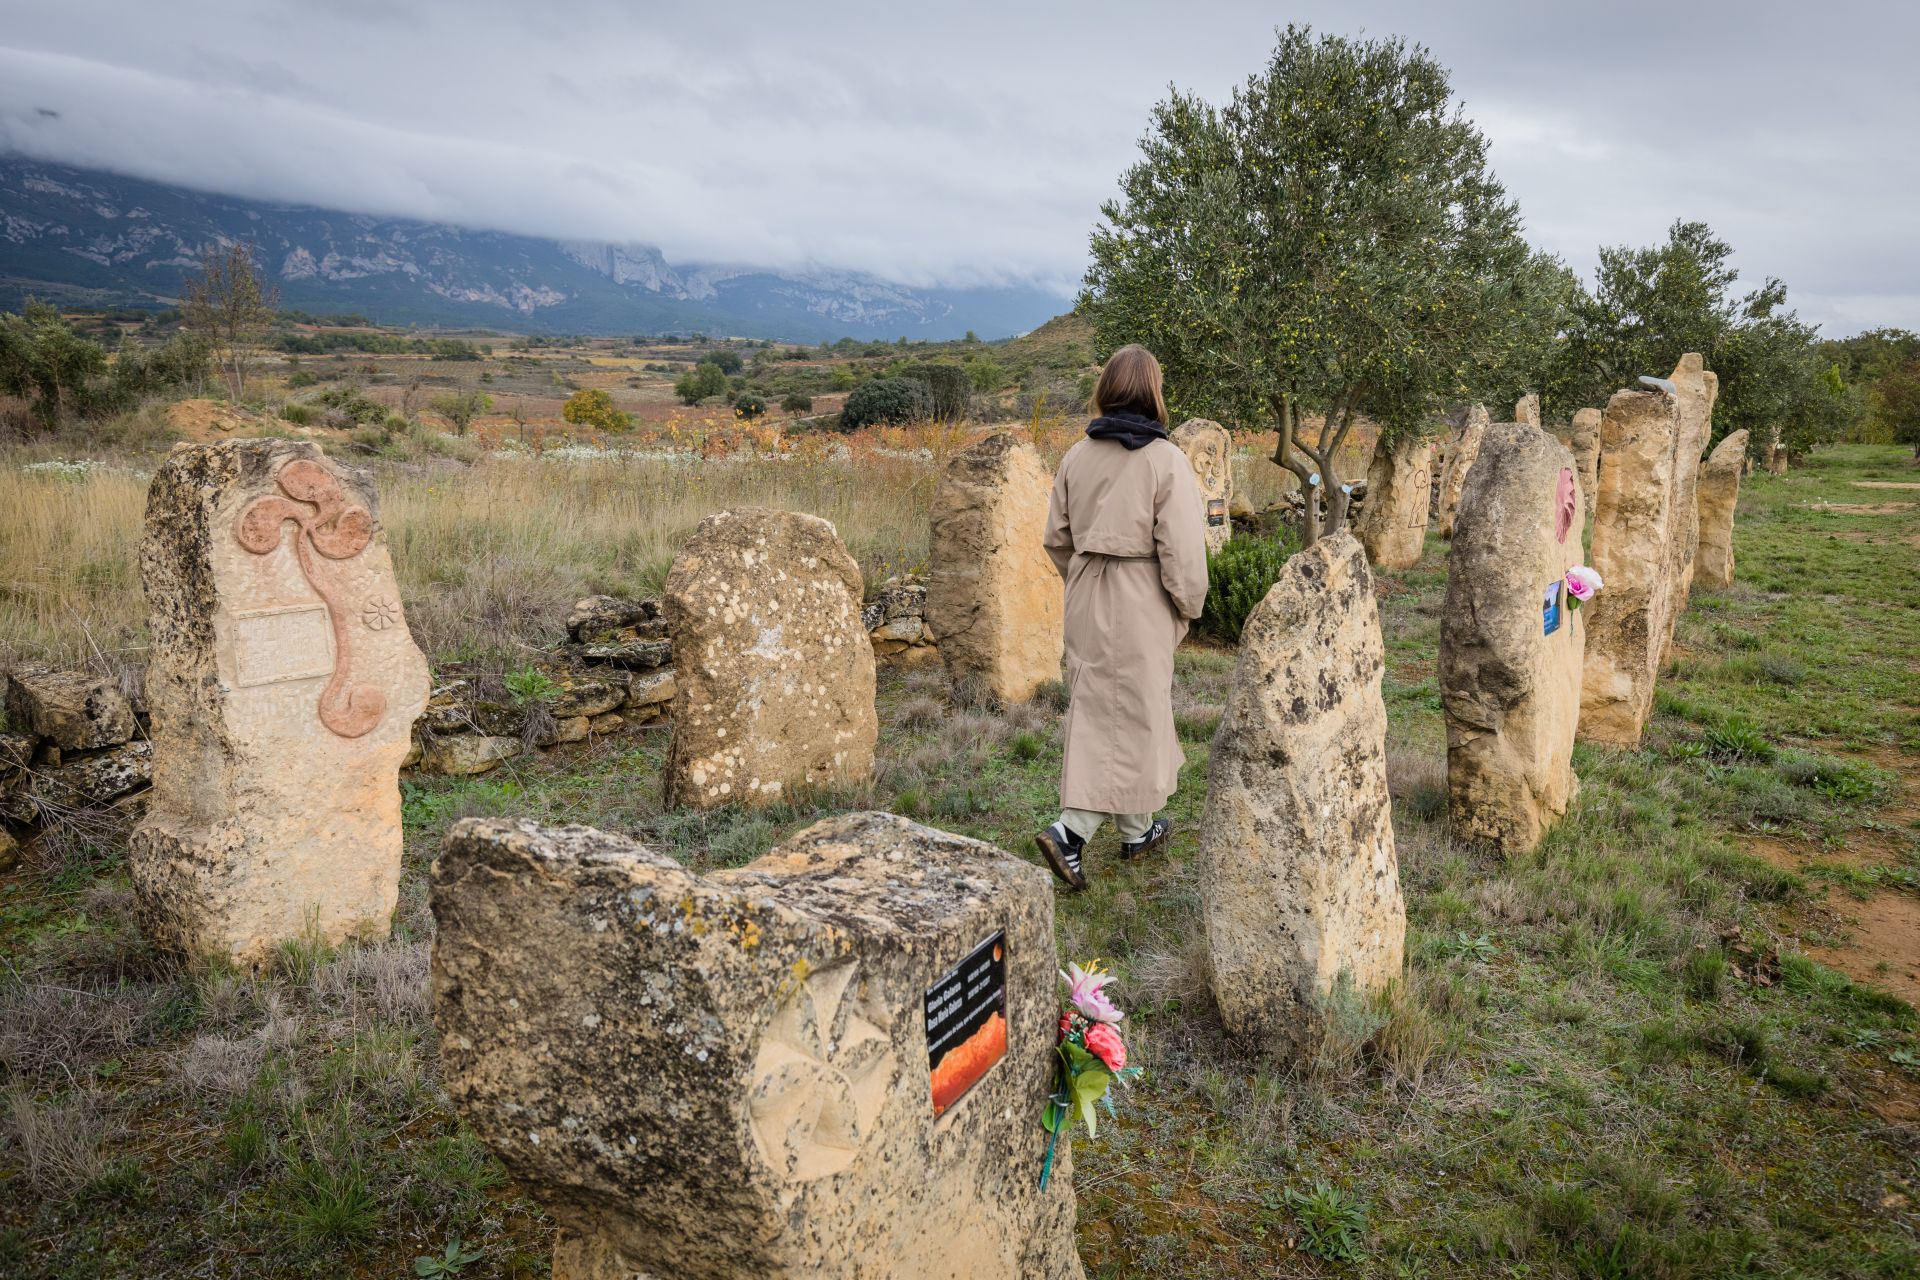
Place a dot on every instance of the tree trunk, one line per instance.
(1287, 414)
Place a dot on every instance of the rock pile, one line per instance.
(74, 742)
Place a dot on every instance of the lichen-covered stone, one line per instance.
(74, 710)
(1393, 523)
(1698, 388)
(464, 754)
(995, 603)
(16, 753)
(284, 684)
(598, 616)
(1298, 879)
(711, 1077)
(1719, 494)
(1510, 688)
(1462, 447)
(85, 779)
(775, 673)
(651, 689)
(1526, 410)
(1586, 454)
(1209, 450)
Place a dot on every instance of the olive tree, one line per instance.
(1329, 242)
(227, 305)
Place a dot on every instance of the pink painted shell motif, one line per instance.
(339, 530)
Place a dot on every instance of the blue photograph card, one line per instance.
(1550, 608)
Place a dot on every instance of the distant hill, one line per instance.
(84, 237)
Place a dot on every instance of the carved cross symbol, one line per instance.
(337, 529)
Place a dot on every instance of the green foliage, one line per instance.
(698, 383)
(984, 372)
(346, 406)
(1333, 1225)
(749, 405)
(530, 684)
(885, 402)
(797, 402)
(593, 407)
(461, 407)
(948, 387)
(43, 360)
(726, 361)
(1239, 575)
(451, 1261)
(1896, 403)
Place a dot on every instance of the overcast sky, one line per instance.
(973, 144)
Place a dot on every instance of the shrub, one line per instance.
(703, 380)
(749, 405)
(885, 401)
(948, 388)
(795, 402)
(1239, 575)
(345, 407)
(593, 407)
(298, 414)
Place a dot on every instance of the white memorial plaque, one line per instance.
(294, 642)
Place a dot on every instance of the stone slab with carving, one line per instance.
(1209, 449)
(995, 603)
(773, 671)
(1719, 494)
(283, 684)
(720, 1076)
(1526, 410)
(1393, 523)
(1298, 878)
(1510, 685)
(1585, 442)
(1462, 446)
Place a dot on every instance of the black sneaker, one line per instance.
(1157, 835)
(1061, 848)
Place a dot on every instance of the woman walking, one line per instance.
(1126, 531)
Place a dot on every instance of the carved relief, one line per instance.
(327, 523)
(1422, 484)
(821, 1076)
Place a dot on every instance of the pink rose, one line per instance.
(1583, 583)
(1103, 1042)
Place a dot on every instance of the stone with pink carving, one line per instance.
(283, 684)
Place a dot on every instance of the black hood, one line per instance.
(1134, 430)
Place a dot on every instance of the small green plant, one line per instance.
(1469, 946)
(1739, 739)
(530, 684)
(451, 1261)
(749, 405)
(795, 402)
(1239, 575)
(1333, 1225)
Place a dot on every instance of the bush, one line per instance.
(593, 407)
(345, 407)
(795, 402)
(703, 380)
(298, 414)
(885, 401)
(1239, 575)
(948, 389)
(749, 405)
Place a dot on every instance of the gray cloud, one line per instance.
(972, 145)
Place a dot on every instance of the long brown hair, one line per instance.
(1130, 384)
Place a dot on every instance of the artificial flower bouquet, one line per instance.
(1583, 584)
(1092, 1056)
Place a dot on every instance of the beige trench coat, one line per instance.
(1126, 531)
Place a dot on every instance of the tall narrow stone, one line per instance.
(994, 600)
(1586, 454)
(1511, 646)
(1719, 493)
(1209, 448)
(773, 668)
(283, 685)
(1393, 523)
(1697, 389)
(829, 1063)
(1526, 410)
(1298, 879)
(1462, 446)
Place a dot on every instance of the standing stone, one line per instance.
(1461, 449)
(1776, 454)
(1526, 410)
(1719, 494)
(1697, 389)
(710, 1077)
(774, 671)
(1393, 523)
(1586, 454)
(1511, 648)
(995, 603)
(283, 684)
(1298, 879)
(1209, 448)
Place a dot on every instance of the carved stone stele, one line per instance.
(721, 1076)
(1209, 450)
(283, 684)
(1393, 524)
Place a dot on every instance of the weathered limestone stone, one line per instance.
(1461, 449)
(1510, 687)
(1698, 388)
(284, 684)
(9, 851)
(1586, 454)
(652, 689)
(1634, 532)
(995, 603)
(1393, 523)
(1209, 448)
(1298, 878)
(774, 673)
(462, 755)
(1719, 492)
(94, 777)
(711, 1077)
(78, 712)
(1776, 455)
(1526, 410)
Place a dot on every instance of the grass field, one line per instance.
(1616, 1057)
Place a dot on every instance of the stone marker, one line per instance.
(733, 1075)
(283, 685)
(773, 671)
(1586, 455)
(1461, 448)
(1393, 523)
(1209, 449)
(1776, 454)
(1526, 410)
(1298, 879)
(1696, 388)
(1719, 492)
(995, 603)
(1511, 649)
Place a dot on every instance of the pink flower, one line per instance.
(1103, 1042)
(1583, 583)
(1084, 989)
